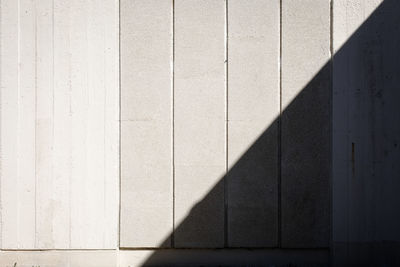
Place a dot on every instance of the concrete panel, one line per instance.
(366, 120)
(111, 122)
(85, 113)
(96, 111)
(199, 108)
(306, 93)
(347, 20)
(253, 107)
(9, 120)
(59, 124)
(146, 126)
(26, 125)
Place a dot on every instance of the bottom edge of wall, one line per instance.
(169, 257)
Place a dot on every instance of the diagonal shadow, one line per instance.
(371, 57)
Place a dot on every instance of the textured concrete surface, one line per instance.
(59, 124)
(199, 108)
(366, 121)
(206, 161)
(306, 124)
(146, 123)
(253, 107)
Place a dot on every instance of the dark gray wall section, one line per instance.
(366, 159)
(253, 195)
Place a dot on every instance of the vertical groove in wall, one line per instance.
(280, 129)
(18, 115)
(35, 145)
(348, 139)
(118, 80)
(52, 107)
(104, 133)
(1, 127)
(331, 123)
(70, 119)
(119, 121)
(52, 100)
(226, 131)
(173, 124)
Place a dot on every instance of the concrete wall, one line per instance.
(199, 132)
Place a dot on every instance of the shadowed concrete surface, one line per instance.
(366, 172)
(366, 154)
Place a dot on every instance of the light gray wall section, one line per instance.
(306, 82)
(146, 123)
(59, 124)
(199, 122)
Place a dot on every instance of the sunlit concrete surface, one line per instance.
(146, 123)
(59, 124)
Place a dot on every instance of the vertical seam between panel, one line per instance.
(226, 197)
(52, 107)
(331, 127)
(348, 138)
(173, 123)
(1, 130)
(119, 120)
(117, 6)
(105, 165)
(35, 122)
(18, 116)
(279, 241)
(70, 96)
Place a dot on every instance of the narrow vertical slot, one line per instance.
(280, 131)
(173, 123)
